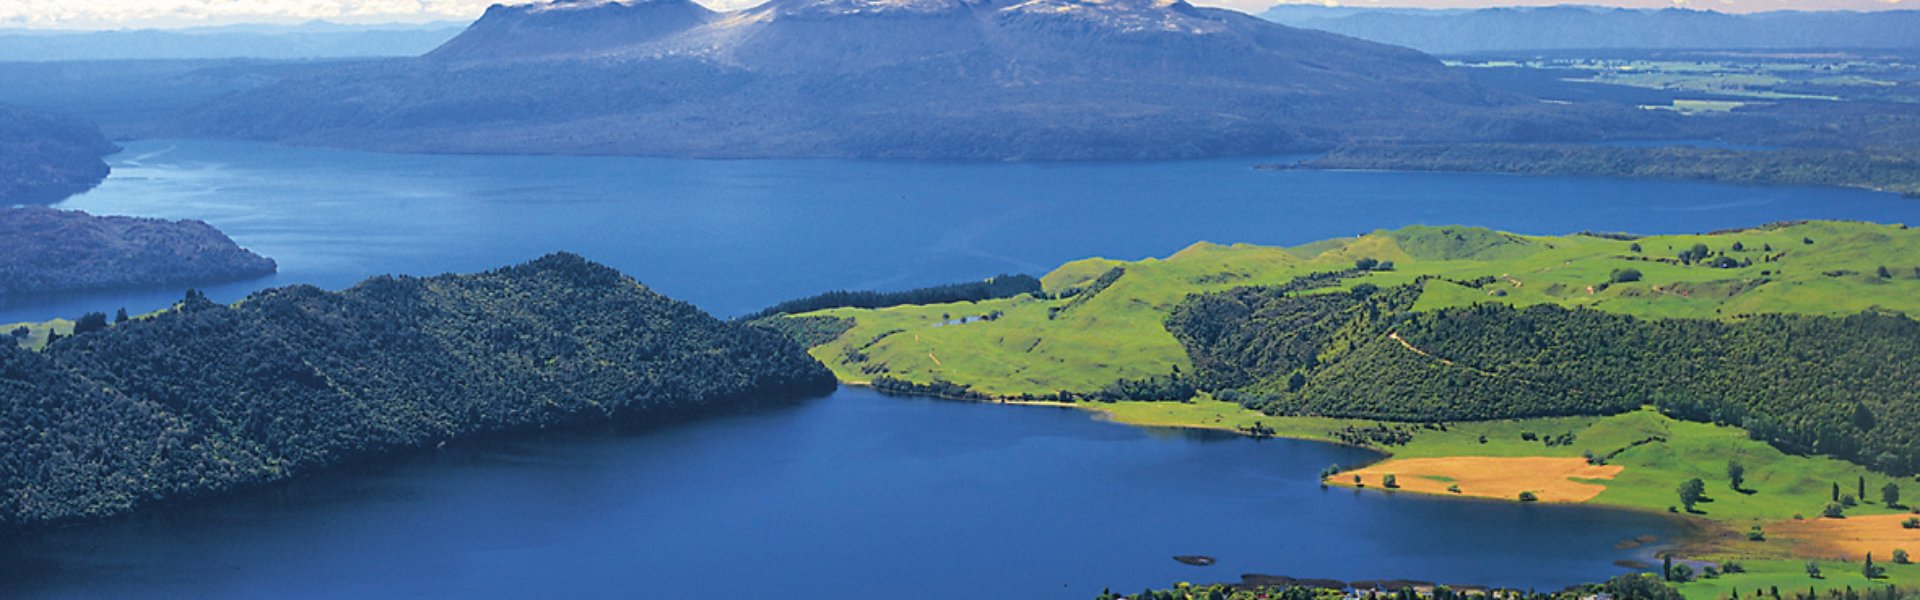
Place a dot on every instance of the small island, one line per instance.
(64, 251)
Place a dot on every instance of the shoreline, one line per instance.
(1699, 534)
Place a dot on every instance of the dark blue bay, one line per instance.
(854, 495)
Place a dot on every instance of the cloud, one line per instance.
(178, 13)
(167, 13)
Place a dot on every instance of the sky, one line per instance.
(133, 14)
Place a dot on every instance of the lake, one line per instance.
(853, 495)
(736, 236)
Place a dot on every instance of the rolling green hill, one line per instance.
(1086, 340)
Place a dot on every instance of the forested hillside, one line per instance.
(56, 250)
(46, 157)
(1833, 385)
(206, 398)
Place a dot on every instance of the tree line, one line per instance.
(1809, 384)
(206, 397)
(998, 286)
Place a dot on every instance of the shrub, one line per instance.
(1390, 482)
(1625, 275)
(1900, 557)
(1528, 497)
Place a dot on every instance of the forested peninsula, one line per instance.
(205, 398)
(46, 157)
(52, 250)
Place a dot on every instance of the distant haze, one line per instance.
(1732, 6)
(120, 14)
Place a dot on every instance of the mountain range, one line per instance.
(991, 79)
(1576, 27)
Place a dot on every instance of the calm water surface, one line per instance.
(854, 495)
(734, 236)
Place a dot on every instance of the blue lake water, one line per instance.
(854, 494)
(735, 236)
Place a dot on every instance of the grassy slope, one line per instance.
(1119, 333)
(37, 332)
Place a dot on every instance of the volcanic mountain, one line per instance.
(1000, 79)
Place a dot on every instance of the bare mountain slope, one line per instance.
(1002, 79)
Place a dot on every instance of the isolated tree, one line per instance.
(1692, 492)
(1635, 247)
(1389, 481)
(120, 317)
(1884, 273)
(1813, 569)
(1836, 492)
(1900, 557)
(1872, 571)
(1628, 275)
(1666, 567)
(1890, 495)
(1736, 474)
(1682, 573)
(1862, 494)
(90, 322)
(1366, 264)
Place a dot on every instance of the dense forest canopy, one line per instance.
(205, 398)
(56, 250)
(1834, 385)
(998, 286)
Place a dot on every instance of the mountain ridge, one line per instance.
(989, 79)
